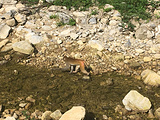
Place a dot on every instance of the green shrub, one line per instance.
(72, 22)
(53, 16)
(94, 12)
(107, 9)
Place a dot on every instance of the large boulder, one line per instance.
(75, 113)
(150, 77)
(23, 47)
(136, 102)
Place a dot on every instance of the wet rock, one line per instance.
(4, 30)
(95, 44)
(46, 115)
(136, 102)
(30, 99)
(85, 77)
(75, 113)
(56, 115)
(150, 77)
(135, 64)
(23, 47)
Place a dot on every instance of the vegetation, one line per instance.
(94, 12)
(53, 16)
(128, 8)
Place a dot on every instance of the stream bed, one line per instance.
(54, 89)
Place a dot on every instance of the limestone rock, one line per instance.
(46, 115)
(11, 22)
(141, 33)
(23, 47)
(137, 102)
(157, 56)
(4, 30)
(75, 113)
(20, 18)
(95, 44)
(150, 77)
(33, 38)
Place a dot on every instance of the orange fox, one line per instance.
(71, 62)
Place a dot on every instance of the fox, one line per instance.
(71, 62)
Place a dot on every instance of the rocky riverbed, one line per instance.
(99, 39)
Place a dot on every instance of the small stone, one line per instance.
(56, 115)
(20, 18)
(147, 59)
(85, 77)
(22, 105)
(92, 20)
(30, 99)
(46, 115)
(10, 118)
(139, 50)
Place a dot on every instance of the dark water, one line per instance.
(65, 90)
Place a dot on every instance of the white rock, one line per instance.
(137, 102)
(9, 8)
(139, 50)
(150, 34)
(30, 25)
(3, 42)
(75, 113)
(113, 22)
(50, 1)
(95, 44)
(141, 33)
(150, 77)
(74, 36)
(7, 47)
(33, 38)
(10, 118)
(23, 47)
(65, 33)
(79, 14)
(46, 28)
(46, 115)
(4, 31)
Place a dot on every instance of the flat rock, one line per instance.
(4, 30)
(23, 47)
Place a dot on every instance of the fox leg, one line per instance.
(76, 69)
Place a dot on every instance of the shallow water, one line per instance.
(65, 90)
